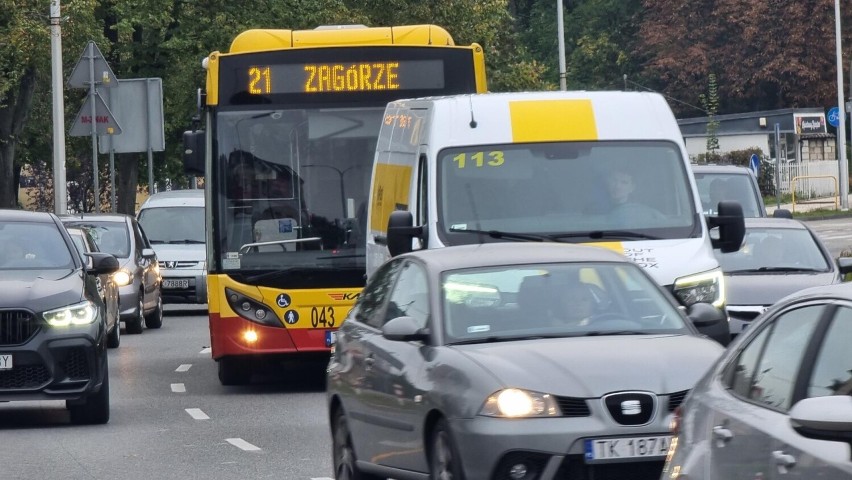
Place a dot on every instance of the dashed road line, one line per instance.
(242, 444)
(197, 414)
(184, 367)
(178, 388)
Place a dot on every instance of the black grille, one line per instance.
(29, 376)
(513, 464)
(575, 468)
(675, 399)
(573, 407)
(630, 408)
(75, 365)
(17, 326)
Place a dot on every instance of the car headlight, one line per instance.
(79, 314)
(122, 277)
(708, 287)
(516, 403)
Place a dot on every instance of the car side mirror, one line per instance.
(404, 329)
(710, 321)
(102, 263)
(193, 152)
(401, 230)
(148, 253)
(731, 226)
(824, 418)
(782, 213)
(844, 264)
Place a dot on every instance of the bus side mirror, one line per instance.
(731, 226)
(193, 153)
(401, 230)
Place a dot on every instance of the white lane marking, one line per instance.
(834, 237)
(242, 444)
(197, 414)
(178, 388)
(184, 367)
(205, 350)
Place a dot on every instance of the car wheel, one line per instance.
(345, 466)
(444, 459)
(135, 325)
(96, 409)
(155, 318)
(114, 336)
(233, 371)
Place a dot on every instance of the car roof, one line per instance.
(175, 198)
(100, 217)
(729, 169)
(10, 215)
(773, 222)
(512, 253)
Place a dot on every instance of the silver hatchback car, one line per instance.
(778, 403)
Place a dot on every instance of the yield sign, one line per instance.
(81, 76)
(104, 120)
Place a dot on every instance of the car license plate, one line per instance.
(614, 449)
(5, 361)
(330, 338)
(172, 283)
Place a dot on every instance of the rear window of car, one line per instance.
(738, 187)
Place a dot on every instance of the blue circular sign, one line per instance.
(834, 117)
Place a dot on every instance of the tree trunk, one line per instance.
(14, 110)
(127, 178)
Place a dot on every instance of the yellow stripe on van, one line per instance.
(392, 186)
(617, 247)
(552, 120)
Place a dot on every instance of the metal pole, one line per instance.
(841, 128)
(778, 165)
(60, 196)
(148, 130)
(94, 113)
(560, 27)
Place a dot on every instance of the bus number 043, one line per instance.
(322, 316)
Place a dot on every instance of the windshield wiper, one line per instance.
(597, 234)
(600, 333)
(187, 240)
(788, 269)
(495, 339)
(529, 237)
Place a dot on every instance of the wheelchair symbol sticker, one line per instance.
(283, 300)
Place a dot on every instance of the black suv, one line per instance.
(53, 326)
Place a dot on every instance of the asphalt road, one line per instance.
(836, 233)
(171, 419)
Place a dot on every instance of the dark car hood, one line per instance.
(590, 367)
(767, 289)
(40, 290)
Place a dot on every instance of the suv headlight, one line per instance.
(79, 314)
(122, 277)
(708, 287)
(518, 403)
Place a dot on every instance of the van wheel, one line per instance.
(96, 409)
(135, 325)
(155, 318)
(114, 336)
(234, 371)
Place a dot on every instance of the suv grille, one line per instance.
(75, 365)
(17, 326)
(29, 376)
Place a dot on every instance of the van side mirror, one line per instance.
(731, 226)
(401, 230)
(193, 152)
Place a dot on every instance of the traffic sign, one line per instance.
(105, 122)
(754, 164)
(834, 117)
(81, 75)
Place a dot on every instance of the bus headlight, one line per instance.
(708, 287)
(79, 314)
(251, 309)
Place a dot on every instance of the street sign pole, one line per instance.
(778, 165)
(841, 129)
(94, 124)
(60, 197)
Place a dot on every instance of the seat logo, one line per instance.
(631, 407)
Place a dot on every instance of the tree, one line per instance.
(710, 101)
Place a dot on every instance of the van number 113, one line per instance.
(479, 159)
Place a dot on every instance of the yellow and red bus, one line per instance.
(291, 122)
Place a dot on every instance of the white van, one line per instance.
(173, 221)
(608, 168)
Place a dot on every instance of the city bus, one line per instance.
(291, 119)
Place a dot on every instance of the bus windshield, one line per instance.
(573, 191)
(292, 187)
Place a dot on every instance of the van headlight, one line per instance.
(707, 287)
(518, 403)
(80, 314)
(122, 277)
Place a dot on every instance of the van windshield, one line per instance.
(573, 190)
(173, 224)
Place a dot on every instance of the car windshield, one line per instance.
(543, 300)
(574, 190)
(110, 237)
(27, 245)
(717, 186)
(173, 224)
(768, 249)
